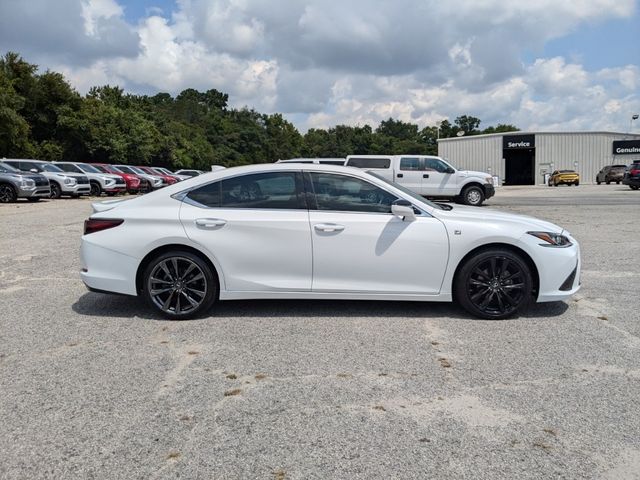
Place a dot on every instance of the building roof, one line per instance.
(634, 136)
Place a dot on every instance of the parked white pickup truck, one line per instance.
(428, 176)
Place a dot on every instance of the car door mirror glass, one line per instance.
(403, 208)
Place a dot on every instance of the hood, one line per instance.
(485, 215)
(472, 173)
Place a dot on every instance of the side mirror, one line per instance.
(449, 170)
(403, 208)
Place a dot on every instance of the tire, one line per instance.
(161, 285)
(33, 199)
(633, 187)
(598, 182)
(617, 182)
(96, 189)
(577, 183)
(473, 195)
(608, 182)
(8, 194)
(555, 184)
(56, 190)
(482, 288)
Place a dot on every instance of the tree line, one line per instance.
(42, 116)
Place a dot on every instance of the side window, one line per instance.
(369, 162)
(410, 163)
(435, 164)
(279, 190)
(349, 194)
(207, 195)
(27, 166)
(331, 162)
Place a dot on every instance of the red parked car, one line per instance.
(169, 179)
(134, 183)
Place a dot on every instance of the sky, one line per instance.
(543, 65)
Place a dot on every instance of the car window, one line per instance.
(410, 163)
(274, 190)
(6, 168)
(369, 162)
(435, 164)
(331, 162)
(349, 194)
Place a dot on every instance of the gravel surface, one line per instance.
(96, 386)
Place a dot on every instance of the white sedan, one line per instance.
(298, 231)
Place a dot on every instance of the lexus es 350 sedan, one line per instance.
(310, 231)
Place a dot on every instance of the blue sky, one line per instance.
(544, 64)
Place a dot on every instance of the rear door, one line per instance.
(256, 226)
(410, 172)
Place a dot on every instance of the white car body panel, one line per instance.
(260, 253)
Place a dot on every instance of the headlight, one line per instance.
(69, 181)
(27, 183)
(489, 180)
(552, 239)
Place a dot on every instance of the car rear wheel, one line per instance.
(577, 183)
(473, 195)
(7, 193)
(179, 285)
(494, 284)
(633, 187)
(598, 182)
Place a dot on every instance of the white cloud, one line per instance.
(327, 62)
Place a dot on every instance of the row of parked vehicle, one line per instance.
(627, 175)
(36, 179)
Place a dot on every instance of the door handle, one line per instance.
(210, 222)
(425, 175)
(328, 227)
(400, 175)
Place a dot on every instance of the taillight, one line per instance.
(93, 225)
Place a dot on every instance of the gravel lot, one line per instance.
(95, 386)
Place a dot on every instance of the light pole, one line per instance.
(633, 117)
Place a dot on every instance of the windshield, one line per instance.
(4, 168)
(410, 193)
(137, 170)
(85, 167)
(100, 168)
(48, 167)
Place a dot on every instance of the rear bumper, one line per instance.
(631, 181)
(107, 271)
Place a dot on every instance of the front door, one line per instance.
(257, 228)
(438, 182)
(360, 247)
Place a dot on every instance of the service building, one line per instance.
(523, 158)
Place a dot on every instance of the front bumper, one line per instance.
(37, 192)
(489, 190)
(77, 189)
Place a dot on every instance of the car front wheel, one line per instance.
(96, 190)
(180, 285)
(494, 284)
(56, 191)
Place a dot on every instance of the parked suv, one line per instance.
(632, 176)
(133, 183)
(189, 173)
(428, 176)
(611, 173)
(166, 171)
(168, 179)
(62, 183)
(99, 182)
(15, 184)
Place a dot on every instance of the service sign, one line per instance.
(626, 147)
(509, 142)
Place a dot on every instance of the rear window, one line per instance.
(331, 162)
(567, 171)
(369, 162)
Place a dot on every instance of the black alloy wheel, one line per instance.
(7, 193)
(494, 284)
(179, 285)
(56, 191)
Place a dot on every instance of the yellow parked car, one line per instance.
(568, 177)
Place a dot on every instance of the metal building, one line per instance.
(523, 158)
